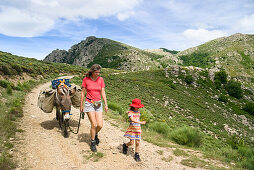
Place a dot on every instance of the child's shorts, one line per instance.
(89, 107)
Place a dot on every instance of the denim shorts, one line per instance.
(89, 107)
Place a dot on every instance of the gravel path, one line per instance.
(42, 145)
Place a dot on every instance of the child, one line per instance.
(134, 130)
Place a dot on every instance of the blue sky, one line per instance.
(33, 28)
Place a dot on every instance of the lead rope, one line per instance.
(80, 115)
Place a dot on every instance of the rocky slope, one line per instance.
(234, 53)
(108, 53)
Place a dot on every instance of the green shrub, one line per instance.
(187, 136)
(188, 79)
(235, 142)
(160, 127)
(217, 84)
(247, 156)
(6, 162)
(9, 89)
(4, 83)
(249, 107)
(6, 70)
(198, 59)
(221, 76)
(223, 98)
(17, 67)
(146, 115)
(16, 111)
(234, 89)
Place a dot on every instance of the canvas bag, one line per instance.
(46, 100)
(75, 100)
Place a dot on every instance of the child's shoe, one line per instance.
(136, 157)
(97, 139)
(125, 148)
(93, 146)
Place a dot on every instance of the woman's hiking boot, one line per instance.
(125, 148)
(136, 157)
(97, 139)
(93, 146)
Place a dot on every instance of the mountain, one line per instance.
(107, 53)
(235, 54)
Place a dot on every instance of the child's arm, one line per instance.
(140, 122)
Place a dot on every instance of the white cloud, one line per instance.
(14, 22)
(35, 17)
(124, 15)
(202, 35)
(247, 24)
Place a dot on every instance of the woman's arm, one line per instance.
(103, 94)
(83, 93)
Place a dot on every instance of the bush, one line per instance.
(17, 67)
(217, 84)
(9, 89)
(6, 70)
(160, 127)
(223, 98)
(235, 142)
(249, 107)
(221, 76)
(6, 83)
(187, 136)
(188, 79)
(146, 115)
(234, 89)
(247, 155)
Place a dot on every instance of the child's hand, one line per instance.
(143, 122)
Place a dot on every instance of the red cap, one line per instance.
(136, 103)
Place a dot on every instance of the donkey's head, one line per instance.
(64, 96)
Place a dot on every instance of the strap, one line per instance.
(66, 111)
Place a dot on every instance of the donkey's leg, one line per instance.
(57, 113)
(59, 116)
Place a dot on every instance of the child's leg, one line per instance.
(137, 146)
(130, 143)
(136, 156)
(125, 146)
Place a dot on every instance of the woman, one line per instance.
(93, 87)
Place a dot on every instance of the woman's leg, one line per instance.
(92, 118)
(99, 121)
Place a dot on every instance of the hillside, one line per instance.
(178, 101)
(234, 53)
(107, 53)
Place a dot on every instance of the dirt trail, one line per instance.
(42, 146)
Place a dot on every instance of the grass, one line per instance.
(167, 159)
(179, 152)
(160, 152)
(93, 156)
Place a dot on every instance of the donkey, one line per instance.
(63, 105)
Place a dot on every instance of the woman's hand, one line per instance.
(81, 109)
(106, 109)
